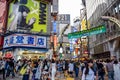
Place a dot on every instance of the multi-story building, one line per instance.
(28, 26)
(104, 45)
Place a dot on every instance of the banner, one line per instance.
(3, 13)
(89, 32)
(28, 15)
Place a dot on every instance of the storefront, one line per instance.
(25, 46)
(105, 55)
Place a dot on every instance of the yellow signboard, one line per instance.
(83, 24)
(29, 15)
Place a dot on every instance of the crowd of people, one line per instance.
(48, 69)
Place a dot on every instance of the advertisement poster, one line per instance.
(3, 12)
(29, 15)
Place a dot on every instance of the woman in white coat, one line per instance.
(53, 67)
(38, 72)
(116, 67)
(88, 72)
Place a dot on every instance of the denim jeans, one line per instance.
(101, 77)
(10, 70)
(25, 77)
(76, 72)
(110, 75)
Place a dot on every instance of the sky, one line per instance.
(71, 7)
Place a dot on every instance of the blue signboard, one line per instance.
(54, 26)
(71, 45)
(25, 40)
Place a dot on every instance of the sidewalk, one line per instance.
(10, 78)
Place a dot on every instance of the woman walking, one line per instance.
(53, 67)
(116, 67)
(88, 72)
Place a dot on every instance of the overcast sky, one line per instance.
(71, 7)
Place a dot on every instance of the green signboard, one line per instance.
(89, 32)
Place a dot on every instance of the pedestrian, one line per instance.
(38, 71)
(59, 68)
(88, 71)
(101, 70)
(2, 67)
(71, 68)
(53, 67)
(26, 75)
(109, 69)
(10, 68)
(45, 69)
(116, 67)
(76, 68)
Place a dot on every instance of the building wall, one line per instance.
(96, 9)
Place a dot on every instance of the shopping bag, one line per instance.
(23, 70)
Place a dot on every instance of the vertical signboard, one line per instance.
(55, 6)
(29, 15)
(71, 45)
(55, 42)
(3, 12)
(1, 41)
(54, 27)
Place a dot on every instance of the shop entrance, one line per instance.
(34, 55)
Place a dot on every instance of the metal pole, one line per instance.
(87, 29)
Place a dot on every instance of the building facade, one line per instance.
(28, 26)
(107, 44)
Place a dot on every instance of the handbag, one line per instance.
(23, 70)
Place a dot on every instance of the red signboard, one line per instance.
(1, 41)
(55, 41)
(3, 13)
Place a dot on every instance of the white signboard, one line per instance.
(25, 40)
(55, 6)
(64, 18)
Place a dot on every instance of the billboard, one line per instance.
(3, 13)
(28, 15)
(25, 40)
